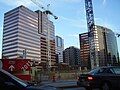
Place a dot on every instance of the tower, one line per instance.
(91, 32)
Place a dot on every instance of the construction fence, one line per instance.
(49, 76)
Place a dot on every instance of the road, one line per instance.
(76, 88)
(65, 85)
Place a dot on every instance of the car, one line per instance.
(104, 78)
(11, 82)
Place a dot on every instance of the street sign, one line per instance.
(19, 67)
(11, 68)
(16, 64)
(11, 62)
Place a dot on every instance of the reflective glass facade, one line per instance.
(105, 47)
(59, 49)
(108, 54)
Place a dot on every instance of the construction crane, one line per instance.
(118, 35)
(47, 12)
(91, 29)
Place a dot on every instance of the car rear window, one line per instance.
(117, 70)
(94, 71)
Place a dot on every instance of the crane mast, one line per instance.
(91, 29)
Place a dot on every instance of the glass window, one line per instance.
(117, 70)
(94, 71)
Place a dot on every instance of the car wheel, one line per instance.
(105, 86)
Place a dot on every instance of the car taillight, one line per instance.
(90, 78)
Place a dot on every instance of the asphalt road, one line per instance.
(65, 85)
(76, 88)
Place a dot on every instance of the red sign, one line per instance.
(24, 77)
(16, 64)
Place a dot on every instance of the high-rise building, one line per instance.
(59, 49)
(25, 34)
(105, 47)
(72, 56)
(84, 50)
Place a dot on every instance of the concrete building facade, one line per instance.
(72, 56)
(25, 34)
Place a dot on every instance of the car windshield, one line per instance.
(116, 70)
(23, 83)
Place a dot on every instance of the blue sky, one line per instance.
(72, 19)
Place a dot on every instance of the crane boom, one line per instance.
(46, 11)
(37, 3)
(118, 35)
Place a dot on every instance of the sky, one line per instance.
(72, 17)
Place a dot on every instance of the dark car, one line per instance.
(11, 82)
(104, 78)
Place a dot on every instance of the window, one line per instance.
(101, 70)
(116, 70)
(109, 71)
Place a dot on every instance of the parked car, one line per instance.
(11, 82)
(104, 78)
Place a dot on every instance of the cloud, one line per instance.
(100, 21)
(75, 22)
(72, 1)
(117, 30)
(107, 24)
(71, 40)
(74, 35)
(1, 27)
(26, 3)
(104, 2)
